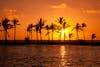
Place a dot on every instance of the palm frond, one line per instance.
(47, 33)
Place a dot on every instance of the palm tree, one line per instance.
(93, 36)
(64, 26)
(83, 26)
(70, 36)
(47, 28)
(77, 28)
(6, 26)
(0, 28)
(59, 28)
(15, 23)
(41, 24)
(60, 21)
(29, 30)
(52, 27)
(37, 29)
(0, 24)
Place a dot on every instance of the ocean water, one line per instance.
(49, 56)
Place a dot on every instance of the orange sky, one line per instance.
(29, 11)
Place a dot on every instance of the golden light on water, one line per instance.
(62, 52)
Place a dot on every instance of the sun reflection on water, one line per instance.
(62, 52)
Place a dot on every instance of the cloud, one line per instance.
(12, 13)
(62, 5)
(9, 11)
(92, 11)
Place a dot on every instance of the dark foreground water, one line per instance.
(49, 56)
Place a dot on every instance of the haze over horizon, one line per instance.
(29, 11)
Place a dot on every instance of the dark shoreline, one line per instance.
(54, 42)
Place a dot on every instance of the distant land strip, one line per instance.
(50, 42)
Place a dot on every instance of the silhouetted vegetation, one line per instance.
(61, 21)
(93, 36)
(70, 36)
(6, 26)
(0, 26)
(48, 31)
(83, 26)
(52, 27)
(37, 29)
(41, 24)
(15, 23)
(29, 31)
(61, 25)
(77, 27)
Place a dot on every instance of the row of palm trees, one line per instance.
(61, 25)
(6, 26)
(79, 27)
(37, 27)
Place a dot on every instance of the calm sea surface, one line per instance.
(49, 56)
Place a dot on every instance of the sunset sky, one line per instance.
(29, 11)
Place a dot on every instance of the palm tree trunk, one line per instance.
(64, 33)
(40, 37)
(77, 37)
(69, 39)
(37, 36)
(64, 36)
(31, 35)
(52, 35)
(1, 35)
(5, 33)
(27, 34)
(60, 35)
(14, 33)
(48, 36)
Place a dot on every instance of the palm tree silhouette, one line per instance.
(37, 29)
(61, 22)
(47, 28)
(70, 36)
(0, 28)
(0, 24)
(59, 28)
(77, 28)
(63, 26)
(15, 23)
(52, 27)
(29, 30)
(41, 24)
(93, 36)
(6, 26)
(83, 26)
